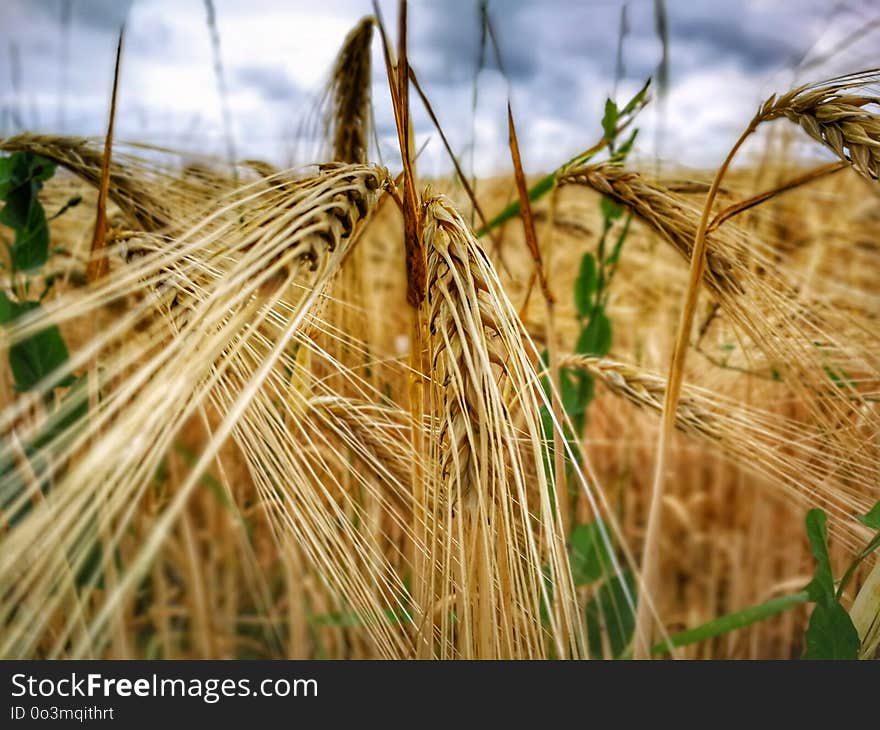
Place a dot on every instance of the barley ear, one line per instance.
(350, 110)
(839, 114)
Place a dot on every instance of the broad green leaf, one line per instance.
(589, 555)
(24, 169)
(7, 179)
(872, 518)
(38, 356)
(13, 173)
(585, 285)
(31, 247)
(19, 202)
(595, 338)
(33, 167)
(831, 634)
(8, 308)
(21, 177)
(40, 168)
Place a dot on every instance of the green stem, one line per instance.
(850, 571)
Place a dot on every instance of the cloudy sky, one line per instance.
(56, 59)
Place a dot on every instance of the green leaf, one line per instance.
(621, 152)
(866, 551)
(839, 378)
(13, 173)
(8, 308)
(548, 433)
(576, 392)
(589, 556)
(831, 634)
(40, 168)
(31, 247)
(611, 211)
(21, 177)
(71, 411)
(543, 608)
(17, 210)
(22, 168)
(821, 588)
(585, 285)
(537, 191)
(609, 613)
(38, 356)
(609, 120)
(7, 179)
(208, 479)
(732, 621)
(614, 256)
(637, 99)
(90, 572)
(595, 338)
(872, 518)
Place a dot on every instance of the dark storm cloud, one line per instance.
(446, 41)
(100, 15)
(717, 40)
(270, 82)
(587, 34)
